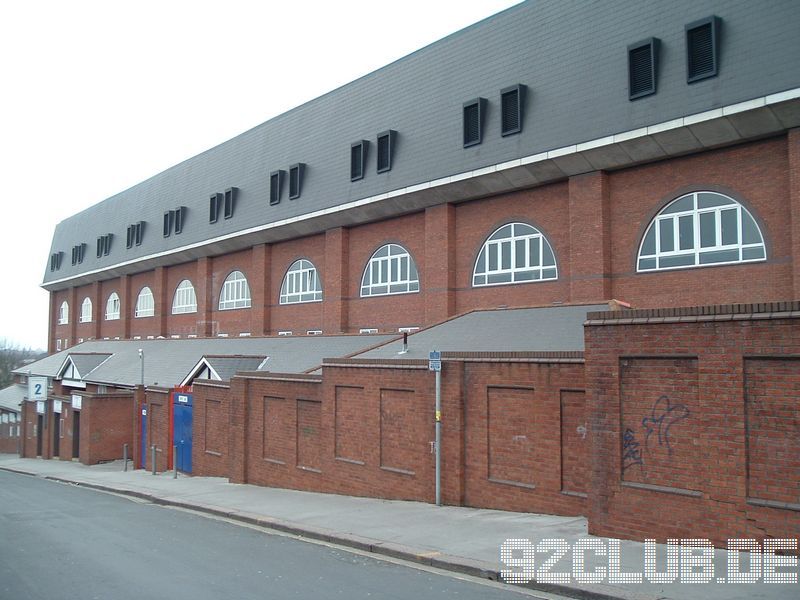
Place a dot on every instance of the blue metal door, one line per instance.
(182, 431)
(144, 438)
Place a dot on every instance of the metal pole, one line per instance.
(153, 457)
(175, 462)
(438, 438)
(125, 456)
(141, 359)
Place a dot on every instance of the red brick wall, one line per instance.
(9, 439)
(594, 223)
(210, 429)
(158, 429)
(547, 209)
(116, 327)
(233, 322)
(694, 429)
(365, 450)
(298, 318)
(86, 330)
(65, 430)
(61, 332)
(366, 431)
(513, 444)
(106, 425)
(280, 424)
(28, 430)
(143, 326)
(753, 173)
(185, 323)
(387, 313)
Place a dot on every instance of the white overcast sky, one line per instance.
(96, 96)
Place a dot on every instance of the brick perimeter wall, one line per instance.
(694, 429)
(9, 439)
(366, 431)
(210, 429)
(105, 427)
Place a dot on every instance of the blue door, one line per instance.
(143, 464)
(182, 431)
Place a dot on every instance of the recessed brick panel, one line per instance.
(574, 441)
(216, 421)
(309, 425)
(660, 422)
(277, 430)
(512, 439)
(772, 404)
(349, 424)
(402, 426)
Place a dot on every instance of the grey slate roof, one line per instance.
(227, 366)
(571, 54)
(12, 396)
(168, 361)
(546, 329)
(86, 363)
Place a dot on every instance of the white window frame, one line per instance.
(145, 304)
(390, 270)
(86, 310)
(235, 292)
(514, 250)
(301, 283)
(63, 313)
(112, 307)
(696, 255)
(185, 299)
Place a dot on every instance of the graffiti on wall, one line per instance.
(655, 428)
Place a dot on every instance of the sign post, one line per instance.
(435, 365)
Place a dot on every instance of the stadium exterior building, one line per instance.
(490, 194)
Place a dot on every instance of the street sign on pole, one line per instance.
(435, 365)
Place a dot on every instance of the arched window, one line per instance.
(86, 310)
(699, 229)
(235, 292)
(112, 307)
(301, 283)
(185, 300)
(391, 270)
(63, 313)
(145, 304)
(515, 253)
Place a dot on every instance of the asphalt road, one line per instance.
(60, 541)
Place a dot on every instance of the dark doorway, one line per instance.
(56, 434)
(76, 434)
(39, 426)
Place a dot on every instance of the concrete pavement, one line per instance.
(461, 539)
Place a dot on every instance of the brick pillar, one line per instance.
(261, 289)
(793, 142)
(51, 326)
(337, 281)
(439, 277)
(74, 314)
(23, 416)
(163, 301)
(98, 307)
(590, 243)
(237, 442)
(126, 306)
(204, 289)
